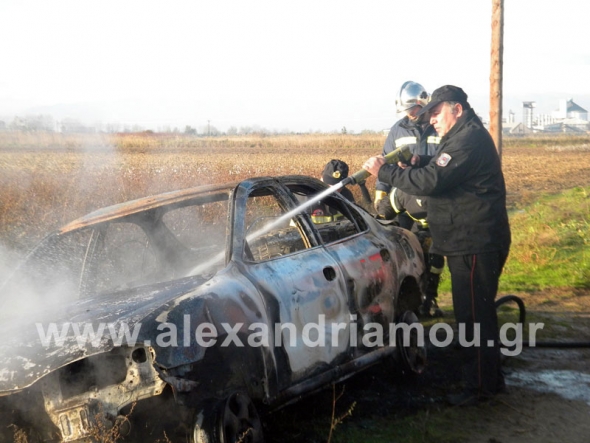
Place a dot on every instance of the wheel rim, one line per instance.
(413, 356)
(240, 421)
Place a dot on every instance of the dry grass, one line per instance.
(49, 179)
(105, 431)
(20, 435)
(44, 187)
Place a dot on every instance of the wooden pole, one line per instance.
(496, 73)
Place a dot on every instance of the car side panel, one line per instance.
(371, 278)
(309, 290)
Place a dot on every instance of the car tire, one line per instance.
(234, 419)
(412, 357)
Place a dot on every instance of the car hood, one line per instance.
(34, 345)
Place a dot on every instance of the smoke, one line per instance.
(7, 259)
(36, 284)
(54, 178)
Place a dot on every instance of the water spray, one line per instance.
(402, 154)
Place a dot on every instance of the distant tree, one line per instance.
(189, 130)
(344, 131)
(209, 130)
(112, 127)
(17, 124)
(258, 130)
(368, 131)
(245, 130)
(232, 130)
(70, 125)
(33, 123)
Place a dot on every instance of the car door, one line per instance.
(299, 279)
(365, 263)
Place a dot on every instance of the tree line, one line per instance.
(46, 123)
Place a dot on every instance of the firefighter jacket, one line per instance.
(465, 188)
(422, 140)
(415, 206)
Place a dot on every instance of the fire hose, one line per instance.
(521, 319)
(402, 154)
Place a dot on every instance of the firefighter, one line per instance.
(467, 201)
(334, 172)
(415, 209)
(410, 130)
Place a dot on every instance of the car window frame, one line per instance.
(352, 215)
(287, 202)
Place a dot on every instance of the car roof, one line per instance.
(125, 209)
(143, 204)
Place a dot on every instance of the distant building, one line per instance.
(516, 129)
(527, 113)
(570, 117)
(509, 119)
(568, 125)
(569, 109)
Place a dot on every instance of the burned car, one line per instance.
(192, 312)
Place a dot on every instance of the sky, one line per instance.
(305, 65)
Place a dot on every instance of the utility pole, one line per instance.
(496, 73)
(208, 128)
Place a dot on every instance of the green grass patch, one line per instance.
(438, 424)
(550, 245)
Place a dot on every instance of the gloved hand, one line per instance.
(379, 195)
(385, 210)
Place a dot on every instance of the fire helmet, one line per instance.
(410, 95)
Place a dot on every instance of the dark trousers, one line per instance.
(474, 280)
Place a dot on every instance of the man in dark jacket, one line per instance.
(469, 225)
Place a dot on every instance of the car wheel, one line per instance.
(412, 355)
(232, 420)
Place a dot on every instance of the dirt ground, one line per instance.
(547, 397)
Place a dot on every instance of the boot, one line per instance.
(425, 307)
(429, 307)
(436, 311)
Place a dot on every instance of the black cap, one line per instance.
(447, 93)
(334, 172)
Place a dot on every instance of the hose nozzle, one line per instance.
(402, 154)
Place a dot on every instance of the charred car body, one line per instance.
(199, 308)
